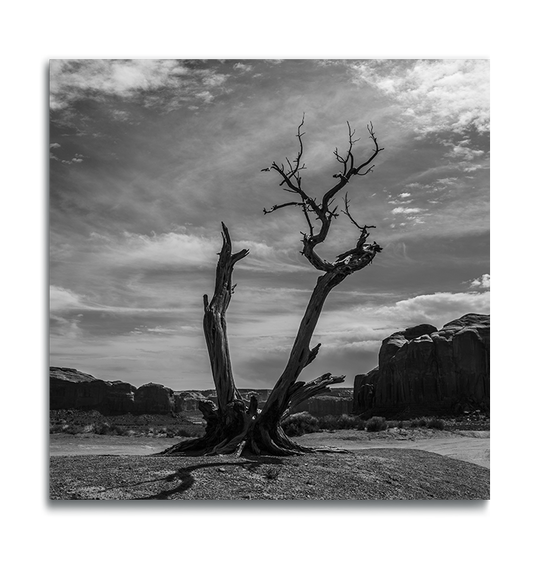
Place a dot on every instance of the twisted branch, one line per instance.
(323, 211)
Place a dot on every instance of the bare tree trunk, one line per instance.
(232, 425)
(288, 391)
(228, 417)
(215, 331)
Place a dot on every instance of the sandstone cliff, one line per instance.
(328, 405)
(74, 390)
(423, 368)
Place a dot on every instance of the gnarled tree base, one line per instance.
(241, 430)
(278, 445)
(236, 434)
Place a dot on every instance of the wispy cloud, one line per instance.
(65, 300)
(182, 251)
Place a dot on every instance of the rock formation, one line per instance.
(154, 399)
(422, 368)
(74, 390)
(338, 401)
(71, 389)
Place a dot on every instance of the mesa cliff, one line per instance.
(74, 390)
(71, 389)
(426, 369)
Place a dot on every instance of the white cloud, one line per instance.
(418, 186)
(120, 115)
(436, 309)
(214, 80)
(73, 79)
(206, 96)
(62, 299)
(400, 202)
(462, 152)
(78, 158)
(482, 282)
(446, 181)
(66, 301)
(265, 258)
(180, 250)
(184, 251)
(433, 95)
(404, 195)
(242, 67)
(406, 210)
(52, 155)
(161, 330)
(66, 328)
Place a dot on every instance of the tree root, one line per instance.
(255, 440)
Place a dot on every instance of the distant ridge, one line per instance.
(72, 389)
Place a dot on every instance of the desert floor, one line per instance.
(467, 445)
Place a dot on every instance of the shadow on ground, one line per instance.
(186, 479)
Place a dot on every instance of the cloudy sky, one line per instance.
(147, 157)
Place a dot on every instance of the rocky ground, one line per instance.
(369, 474)
(401, 462)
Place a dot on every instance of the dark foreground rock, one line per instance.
(426, 369)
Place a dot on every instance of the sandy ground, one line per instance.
(98, 445)
(469, 446)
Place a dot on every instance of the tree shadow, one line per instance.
(186, 479)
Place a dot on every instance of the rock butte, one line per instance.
(425, 369)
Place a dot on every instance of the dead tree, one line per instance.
(232, 424)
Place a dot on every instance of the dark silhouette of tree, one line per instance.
(232, 424)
